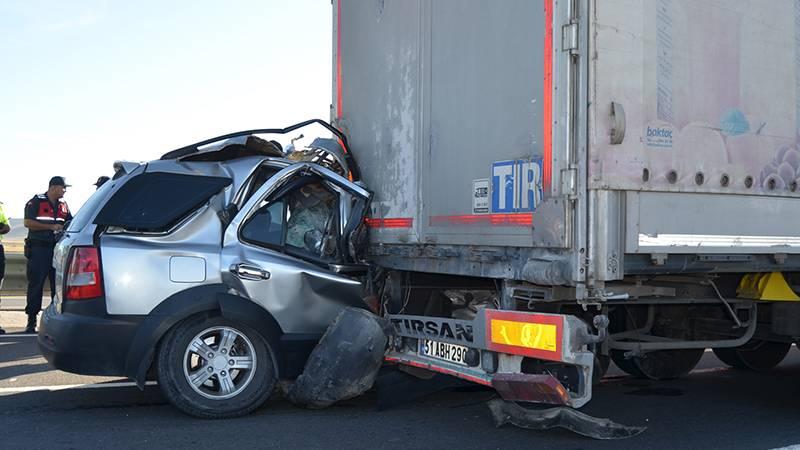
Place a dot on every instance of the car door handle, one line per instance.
(249, 272)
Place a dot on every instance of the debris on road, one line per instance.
(571, 419)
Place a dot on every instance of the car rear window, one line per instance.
(88, 209)
(157, 201)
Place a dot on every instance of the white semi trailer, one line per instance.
(558, 183)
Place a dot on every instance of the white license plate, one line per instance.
(442, 350)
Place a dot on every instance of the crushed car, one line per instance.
(215, 269)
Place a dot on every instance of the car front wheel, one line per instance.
(214, 368)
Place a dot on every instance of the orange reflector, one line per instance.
(529, 334)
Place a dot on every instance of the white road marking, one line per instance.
(62, 387)
(16, 335)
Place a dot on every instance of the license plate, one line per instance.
(442, 350)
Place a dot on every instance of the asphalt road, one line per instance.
(713, 407)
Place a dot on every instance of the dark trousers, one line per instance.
(40, 267)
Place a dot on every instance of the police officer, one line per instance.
(45, 216)
(4, 228)
(101, 181)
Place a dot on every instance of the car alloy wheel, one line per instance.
(219, 362)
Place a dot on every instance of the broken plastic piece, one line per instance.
(505, 412)
(345, 362)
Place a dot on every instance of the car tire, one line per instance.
(229, 388)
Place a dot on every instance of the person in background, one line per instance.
(100, 181)
(4, 229)
(45, 216)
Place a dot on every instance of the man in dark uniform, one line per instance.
(45, 216)
(101, 181)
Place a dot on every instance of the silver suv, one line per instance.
(215, 269)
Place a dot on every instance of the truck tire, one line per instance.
(625, 364)
(214, 368)
(659, 365)
(758, 355)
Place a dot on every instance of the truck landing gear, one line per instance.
(658, 365)
(755, 355)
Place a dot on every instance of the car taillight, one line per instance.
(83, 275)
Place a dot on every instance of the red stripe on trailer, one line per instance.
(433, 368)
(339, 60)
(495, 220)
(547, 103)
(394, 222)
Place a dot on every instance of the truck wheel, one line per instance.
(214, 368)
(659, 365)
(755, 355)
(626, 365)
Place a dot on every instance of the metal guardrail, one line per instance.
(16, 279)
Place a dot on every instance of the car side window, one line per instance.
(304, 221)
(266, 226)
(311, 224)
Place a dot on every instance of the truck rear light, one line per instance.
(84, 279)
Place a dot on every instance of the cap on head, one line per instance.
(101, 180)
(58, 181)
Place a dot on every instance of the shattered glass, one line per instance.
(310, 211)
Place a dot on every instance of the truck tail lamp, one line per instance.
(84, 279)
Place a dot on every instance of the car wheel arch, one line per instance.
(207, 299)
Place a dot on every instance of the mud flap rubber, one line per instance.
(345, 362)
(573, 420)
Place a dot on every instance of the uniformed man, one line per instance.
(45, 216)
(4, 228)
(101, 181)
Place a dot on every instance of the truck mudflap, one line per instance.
(531, 357)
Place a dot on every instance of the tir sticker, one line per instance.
(516, 185)
(480, 196)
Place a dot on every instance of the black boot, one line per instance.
(2, 331)
(31, 328)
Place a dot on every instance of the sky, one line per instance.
(87, 83)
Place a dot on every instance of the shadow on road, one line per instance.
(15, 348)
(23, 369)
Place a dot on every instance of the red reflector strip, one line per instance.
(436, 368)
(547, 103)
(397, 222)
(531, 324)
(495, 220)
(339, 111)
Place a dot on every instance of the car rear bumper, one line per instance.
(86, 345)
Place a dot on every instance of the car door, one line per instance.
(288, 248)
